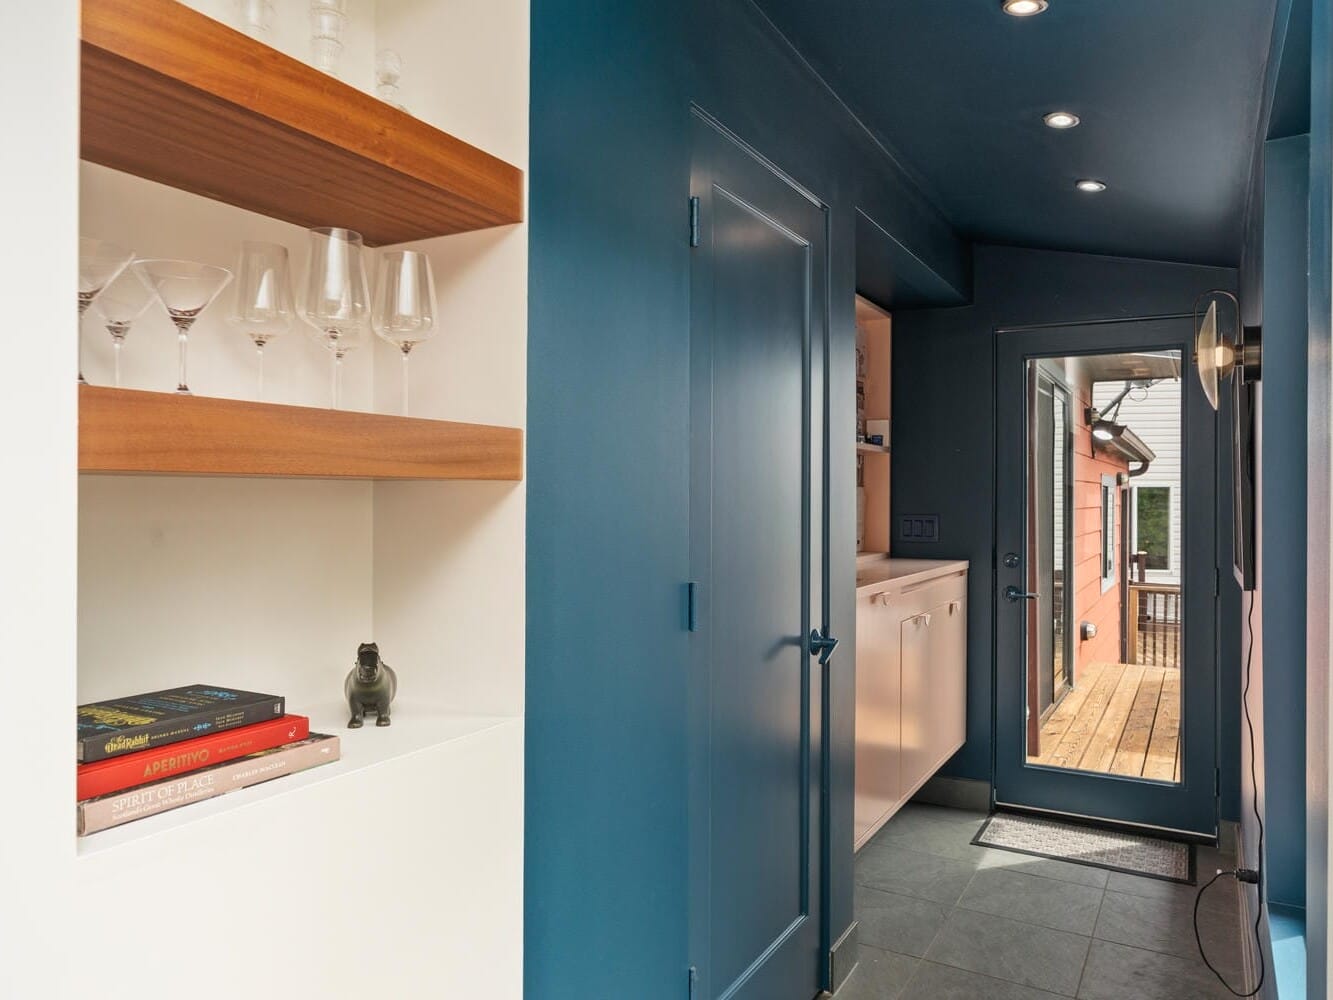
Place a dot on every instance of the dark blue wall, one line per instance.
(943, 441)
(1280, 668)
(612, 85)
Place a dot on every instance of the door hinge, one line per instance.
(691, 607)
(1217, 581)
(694, 981)
(694, 222)
(1217, 782)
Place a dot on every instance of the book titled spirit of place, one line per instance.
(126, 725)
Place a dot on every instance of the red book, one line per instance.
(115, 774)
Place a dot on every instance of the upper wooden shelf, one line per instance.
(129, 431)
(174, 96)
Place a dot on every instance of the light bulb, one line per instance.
(1024, 8)
(1061, 119)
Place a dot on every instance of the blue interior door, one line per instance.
(757, 331)
(1103, 746)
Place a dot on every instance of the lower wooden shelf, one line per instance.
(135, 432)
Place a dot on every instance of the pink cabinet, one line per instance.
(911, 680)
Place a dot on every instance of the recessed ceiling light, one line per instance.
(1090, 186)
(1025, 8)
(1061, 119)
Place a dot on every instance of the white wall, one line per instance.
(266, 583)
(1156, 419)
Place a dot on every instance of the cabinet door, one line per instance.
(917, 715)
(878, 786)
(948, 669)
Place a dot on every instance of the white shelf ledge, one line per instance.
(415, 729)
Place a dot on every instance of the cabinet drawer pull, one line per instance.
(954, 606)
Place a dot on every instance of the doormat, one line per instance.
(1132, 853)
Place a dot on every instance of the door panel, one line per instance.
(878, 712)
(918, 743)
(1182, 795)
(758, 306)
(948, 653)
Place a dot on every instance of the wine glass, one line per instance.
(337, 299)
(263, 308)
(186, 289)
(405, 311)
(388, 71)
(100, 263)
(120, 305)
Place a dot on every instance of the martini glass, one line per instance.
(186, 289)
(405, 311)
(120, 305)
(337, 296)
(263, 307)
(100, 263)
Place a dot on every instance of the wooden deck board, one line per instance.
(1106, 738)
(1133, 747)
(1074, 744)
(1120, 719)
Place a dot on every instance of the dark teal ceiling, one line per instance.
(1168, 91)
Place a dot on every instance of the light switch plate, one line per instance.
(919, 528)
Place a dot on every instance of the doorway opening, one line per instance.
(1104, 574)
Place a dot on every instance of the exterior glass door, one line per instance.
(1105, 607)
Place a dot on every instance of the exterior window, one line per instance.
(1152, 525)
(1108, 532)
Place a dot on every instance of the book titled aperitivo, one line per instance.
(107, 811)
(133, 769)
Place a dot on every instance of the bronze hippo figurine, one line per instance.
(370, 687)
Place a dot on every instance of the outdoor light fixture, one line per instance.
(1107, 430)
(1025, 8)
(1090, 186)
(1061, 119)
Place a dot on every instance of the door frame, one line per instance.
(1191, 807)
(713, 146)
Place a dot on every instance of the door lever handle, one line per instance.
(824, 645)
(1012, 593)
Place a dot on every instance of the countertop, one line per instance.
(877, 570)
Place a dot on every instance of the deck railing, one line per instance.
(1154, 615)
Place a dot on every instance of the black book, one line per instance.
(127, 725)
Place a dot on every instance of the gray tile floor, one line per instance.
(941, 919)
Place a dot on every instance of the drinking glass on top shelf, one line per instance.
(405, 311)
(186, 288)
(100, 263)
(337, 297)
(120, 305)
(327, 20)
(255, 18)
(388, 71)
(263, 306)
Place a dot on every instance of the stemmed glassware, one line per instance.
(337, 297)
(100, 263)
(388, 71)
(186, 289)
(263, 308)
(120, 305)
(405, 310)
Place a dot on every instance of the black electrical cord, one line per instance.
(1246, 875)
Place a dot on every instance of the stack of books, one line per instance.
(143, 755)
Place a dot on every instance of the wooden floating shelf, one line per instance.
(872, 449)
(130, 431)
(174, 96)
